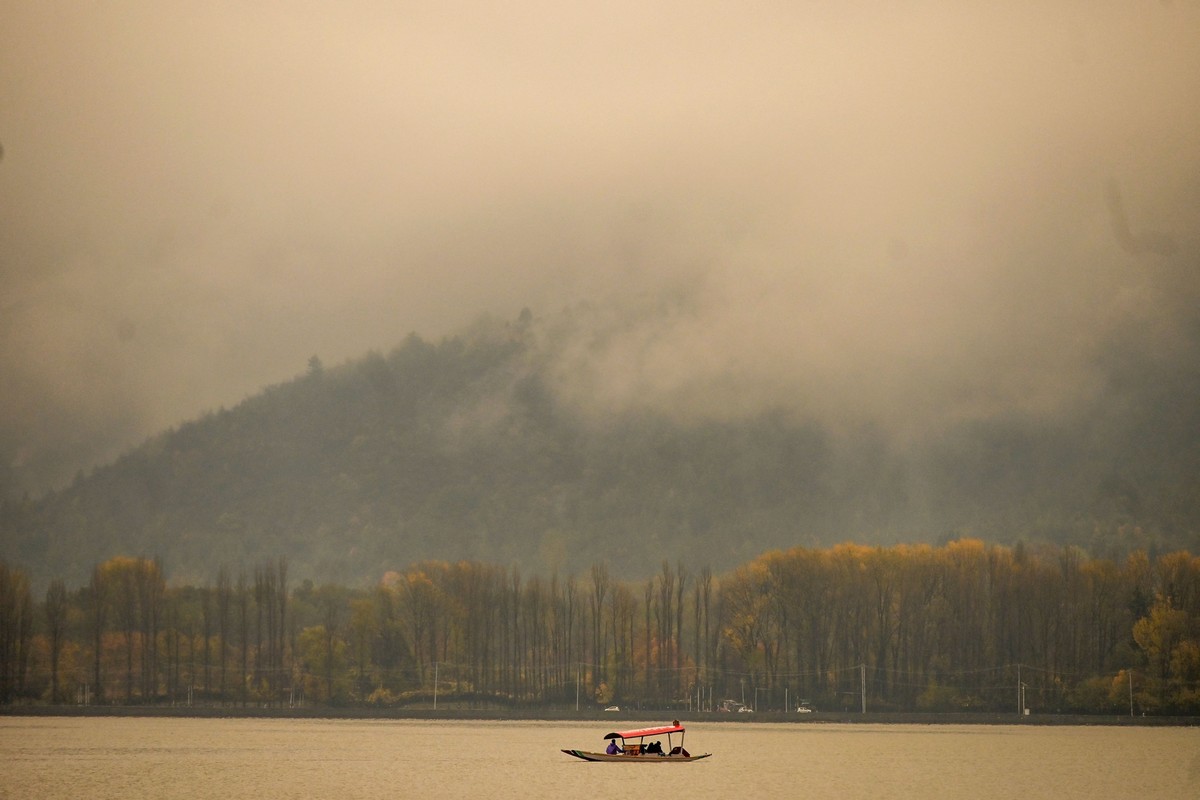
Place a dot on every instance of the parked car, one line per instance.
(733, 706)
(613, 708)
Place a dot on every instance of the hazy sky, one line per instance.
(859, 210)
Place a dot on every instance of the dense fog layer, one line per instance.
(905, 218)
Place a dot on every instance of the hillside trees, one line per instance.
(476, 447)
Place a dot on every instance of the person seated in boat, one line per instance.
(654, 748)
(613, 749)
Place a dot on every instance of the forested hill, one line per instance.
(463, 449)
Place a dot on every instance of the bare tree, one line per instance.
(16, 631)
(600, 587)
(56, 628)
(224, 599)
(98, 620)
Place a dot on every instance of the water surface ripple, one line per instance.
(121, 758)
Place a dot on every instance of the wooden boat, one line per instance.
(641, 751)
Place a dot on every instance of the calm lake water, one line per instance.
(99, 758)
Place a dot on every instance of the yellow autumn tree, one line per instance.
(1163, 637)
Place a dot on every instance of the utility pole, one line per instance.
(435, 677)
(862, 668)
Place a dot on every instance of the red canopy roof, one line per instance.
(676, 728)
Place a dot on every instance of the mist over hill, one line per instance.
(802, 273)
(921, 220)
(482, 446)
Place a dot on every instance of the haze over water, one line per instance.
(106, 759)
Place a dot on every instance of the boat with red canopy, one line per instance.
(640, 751)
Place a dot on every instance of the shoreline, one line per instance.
(570, 715)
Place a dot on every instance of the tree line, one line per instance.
(962, 626)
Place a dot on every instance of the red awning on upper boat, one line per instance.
(676, 728)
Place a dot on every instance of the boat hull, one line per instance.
(646, 759)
